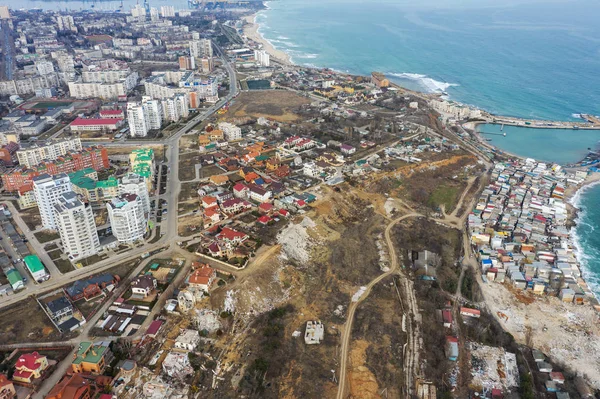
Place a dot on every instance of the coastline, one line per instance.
(251, 30)
(252, 33)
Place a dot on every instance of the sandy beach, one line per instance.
(251, 32)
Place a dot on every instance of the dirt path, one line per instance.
(347, 333)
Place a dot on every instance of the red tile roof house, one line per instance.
(215, 250)
(264, 220)
(154, 328)
(265, 208)
(29, 367)
(208, 202)
(240, 190)
(283, 212)
(202, 278)
(232, 236)
(211, 216)
(447, 318)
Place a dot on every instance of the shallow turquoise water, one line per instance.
(586, 238)
(563, 146)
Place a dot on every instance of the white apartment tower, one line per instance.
(167, 11)
(136, 120)
(76, 226)
(44, 67)
(152, 112)
(262, 58)
(133, 183)
(201, 48)
(47, 190)
(127, 219)
(66, 22)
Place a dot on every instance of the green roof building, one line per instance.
(90, 358)
(35, 267)
(15, 279)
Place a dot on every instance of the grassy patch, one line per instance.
(446, 196)
(188, 191)
(46, 236)
(51, 247)
(90, 260)
(56, 254)
(64, 265)
(31, 217)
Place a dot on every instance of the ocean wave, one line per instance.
(585, 254)
(431, 85)
(283, 37)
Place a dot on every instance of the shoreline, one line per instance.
(251, 31)
(572, 196)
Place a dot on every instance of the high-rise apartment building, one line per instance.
(127, 218)
(47, 190)
(133, 183)
(136, 120)
(76, 226)
(201, 48)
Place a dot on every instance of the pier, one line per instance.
(593, 123)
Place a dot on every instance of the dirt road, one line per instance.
(346, 335)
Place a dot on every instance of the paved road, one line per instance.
(346, 335)
(169, 238)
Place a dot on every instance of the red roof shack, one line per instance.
(468, 312)
(264, 219)
(154, 327)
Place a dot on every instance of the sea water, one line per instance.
(586, 237)
(563, 146)
(535, 59)
(525, 58)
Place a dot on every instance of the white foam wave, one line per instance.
(589, 254)
(283, 37)
(431, 85)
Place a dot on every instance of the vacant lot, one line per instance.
(46, 236)
(187, 165)
(126, 150)
(38, 327)
(274, 104)
(31, 217)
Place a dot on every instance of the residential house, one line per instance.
(235, 205)
(315, 332)
(208, 201)
(187, 340)
(143, 286)
(451, 348)
(259, 194)
(265, 208)
(264, 220)
(202, 278)
(211, 216)
(59, 308)
(30, 366)
(219, 180)
(74, 386)
(7, 389)
(90, 358)
(347, 149)
(231, 236)
(240, 190)
(91, 287)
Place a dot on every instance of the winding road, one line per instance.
(347, 333)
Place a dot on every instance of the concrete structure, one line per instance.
(187, 340)
(47, 190)
(315, 332)
(66, 23)
(34, 155)
(231, 132)
(133, 183)
(136, 120)
(262, 58)
(201, 48)
(127, 218)
(76, 226)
